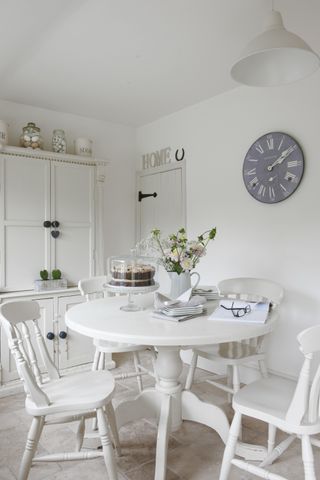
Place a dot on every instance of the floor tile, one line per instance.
(146, 472)
(195, 451)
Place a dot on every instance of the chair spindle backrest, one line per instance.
(12, 314)
(305, 404)
(93, 288)
(246, 287)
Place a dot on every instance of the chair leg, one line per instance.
(31, 447)
(96, 358)
(263, 368)
(95, 366)
(229, 381)
(106, 445)
(154, 360)
(272, 430)
(307, 457)
(113, 427)
(80, 434)
(101, 365)
(230, 448)
(191, 372)
(236, 379)
(136, 361)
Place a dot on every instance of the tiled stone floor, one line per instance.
(195, 451)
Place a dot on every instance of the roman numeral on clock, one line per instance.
(262, 190)
(254, 182)
(270, 143)
(281, 142)
(285, 191)
(259, 148)
(253, 171)
(290, 177)
(272, 195)
(294, 163)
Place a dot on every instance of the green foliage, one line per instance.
(44, 274)
(56, 274)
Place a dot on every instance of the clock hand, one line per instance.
(282, 157)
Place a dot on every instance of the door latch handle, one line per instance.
(141, 195)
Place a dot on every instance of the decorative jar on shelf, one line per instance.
(3, 133)
(31, 137)
(59, 143)
(83, 146)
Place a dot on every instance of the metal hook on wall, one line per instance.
(182, 155)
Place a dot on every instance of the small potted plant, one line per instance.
(55, 282)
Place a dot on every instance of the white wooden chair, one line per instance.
(234, 354)
(93, 288)
(285, 404)
(69, 399)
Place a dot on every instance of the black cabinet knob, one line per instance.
(50, 335)
(55, 233)
(62, 334)
(55, 224)
(47, 224)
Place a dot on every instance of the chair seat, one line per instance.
(116, 347)
(83, 391)
(268, 400)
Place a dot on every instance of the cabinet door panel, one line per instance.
(72, 193)
(25, 256)
(72, 253)
(72, 204)
(9, 370)
(75, 349)
(26, 184)
(24, 205)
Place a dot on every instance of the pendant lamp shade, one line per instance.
(275, 57)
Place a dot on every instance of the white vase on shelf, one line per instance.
(181, 282)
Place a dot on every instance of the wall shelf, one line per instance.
(47, 155)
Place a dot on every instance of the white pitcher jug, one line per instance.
(181, 282)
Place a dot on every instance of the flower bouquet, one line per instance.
(178, 254)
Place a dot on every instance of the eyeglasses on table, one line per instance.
(238, 311)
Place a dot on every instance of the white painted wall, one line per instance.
(110, 141)
(280, 242)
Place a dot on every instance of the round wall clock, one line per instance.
(273, 167)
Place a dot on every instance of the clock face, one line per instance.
(273, 167)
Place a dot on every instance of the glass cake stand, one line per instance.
(131, 306)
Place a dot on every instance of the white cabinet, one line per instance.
(35, 190)
(67, 349)
(38, 187)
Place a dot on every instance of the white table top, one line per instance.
(103, 319)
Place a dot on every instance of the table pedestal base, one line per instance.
(170, 406)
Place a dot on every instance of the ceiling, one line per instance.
(131, 61)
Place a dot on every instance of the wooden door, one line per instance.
(166, 211)
(72, 205)
(24, 206)
(74, 349)
(46, 324)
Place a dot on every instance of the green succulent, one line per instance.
(44, 274)
(56, 274)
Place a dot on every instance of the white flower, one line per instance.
(197, 248)
(174, 255)
(187, 263)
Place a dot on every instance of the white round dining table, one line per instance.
(102, 319)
